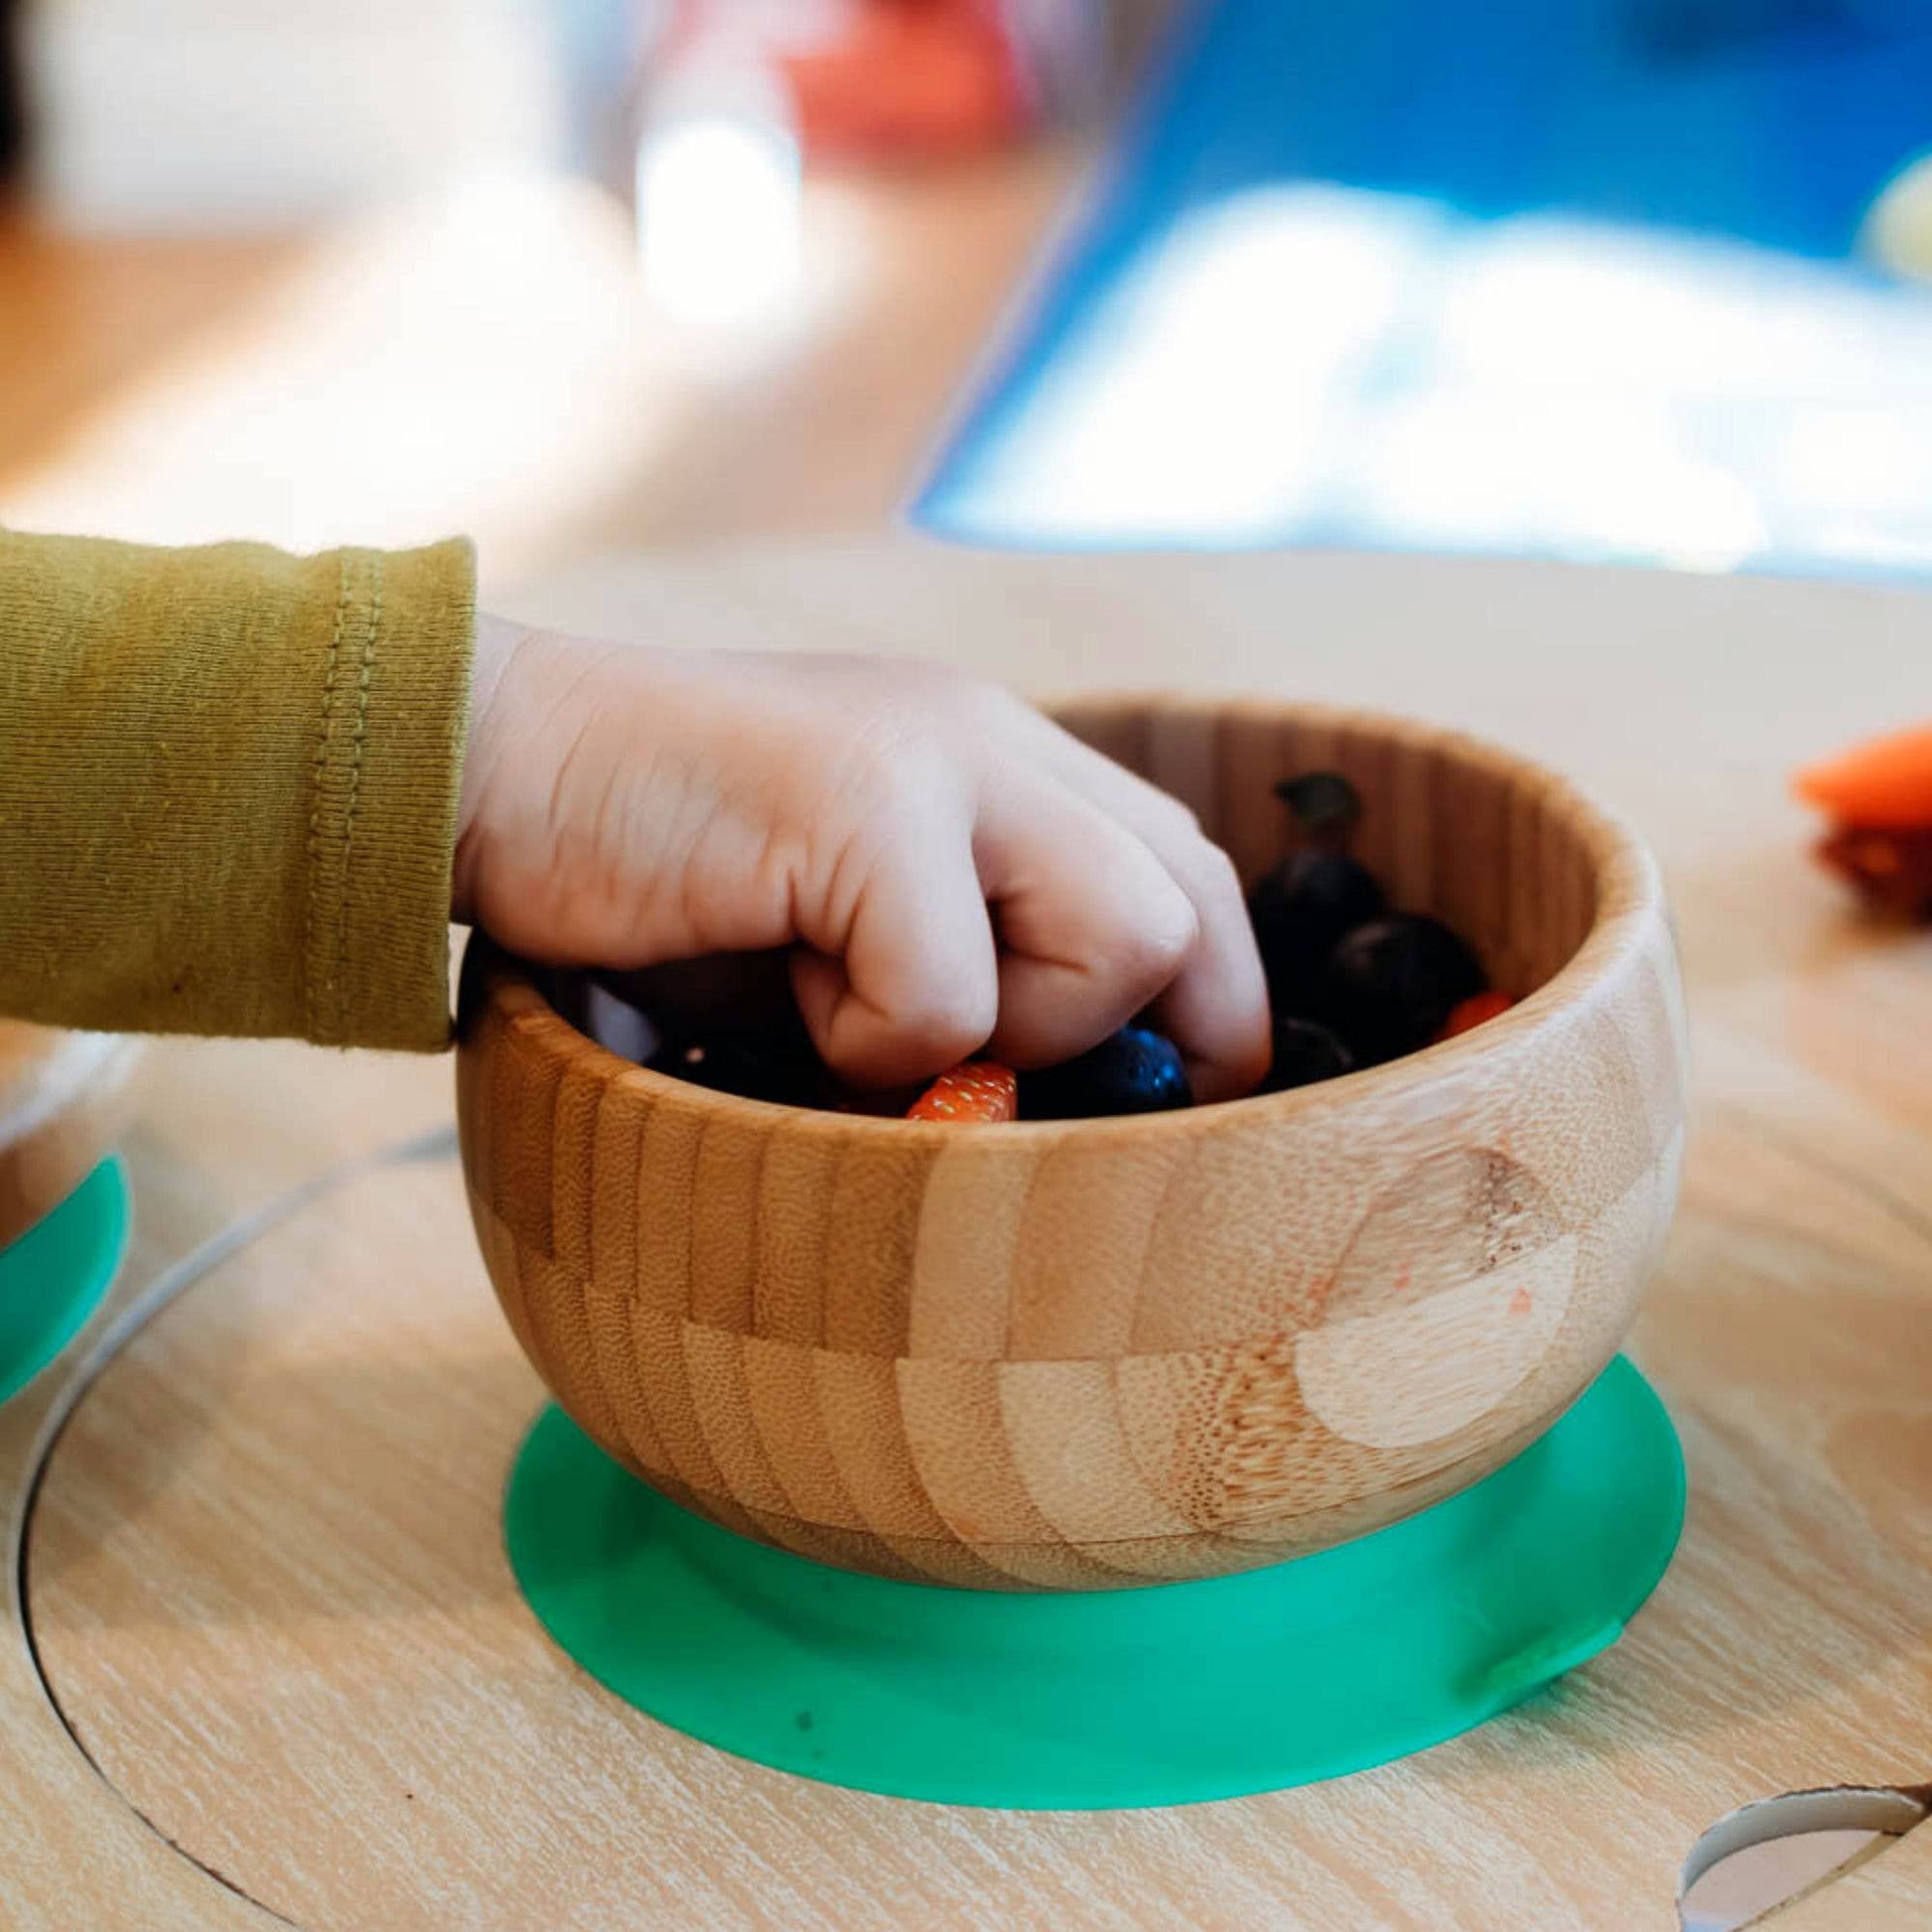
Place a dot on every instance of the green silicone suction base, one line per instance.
(54, 1276)
(1107, 1699)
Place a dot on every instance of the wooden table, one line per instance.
(496, 348)
(266, 1664)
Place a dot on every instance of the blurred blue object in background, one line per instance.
(602, 45)
(1575, 279)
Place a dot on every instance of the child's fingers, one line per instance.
(1215, 1006)
(1091, 925)
(906, 984)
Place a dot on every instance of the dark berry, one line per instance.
(733, 993)
(1327, 807)
(1393, 984)
(1305, 1052)
(728, 1022)
(773, 1064)
(1301, 912)
(1133, 1071)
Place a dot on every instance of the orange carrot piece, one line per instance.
(1884, 784)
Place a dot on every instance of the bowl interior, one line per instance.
(1499, 849)
(1505, 852)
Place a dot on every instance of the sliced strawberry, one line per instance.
(973, 1093)
(1472, 1012)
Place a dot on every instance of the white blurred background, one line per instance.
(564, 274)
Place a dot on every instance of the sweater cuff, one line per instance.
(385, 775)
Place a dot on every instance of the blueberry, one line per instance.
(1305, 1052)
(1327, 807)
(1133, 1071)
(1301, 912)
(1393, 983)
(776, 1063)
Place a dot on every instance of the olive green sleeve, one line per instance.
(228, 785)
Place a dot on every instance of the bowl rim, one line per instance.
(1630, 902)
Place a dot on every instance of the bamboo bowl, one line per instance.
(1070, 1355)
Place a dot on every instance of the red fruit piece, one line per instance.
(1472, 1012)
(1884, 784)
(973, 1093)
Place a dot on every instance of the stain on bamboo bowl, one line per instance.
(1069, 1355)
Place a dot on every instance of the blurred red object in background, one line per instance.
(892, 80)
(1891, 871)
(912, 76)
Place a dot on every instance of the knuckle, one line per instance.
(1210, 864)
(892, 767)
(1157, 943)
(950, 1021)
(931, 685)
(1182, 820)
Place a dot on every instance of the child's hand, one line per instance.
(955, 871)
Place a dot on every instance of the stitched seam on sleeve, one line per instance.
(319, 777)
(359, 739)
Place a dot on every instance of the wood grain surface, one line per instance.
(1892, 1892)
(93, 316)
(76, 1853)
(494, 341)
(265, 1572)
(1089, 1353)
